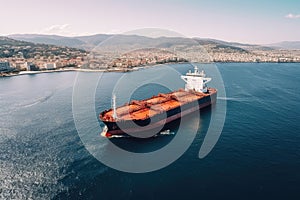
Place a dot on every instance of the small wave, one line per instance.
(30, 104)
(164, 133)
(37, 101)
(104, 134)
(119, 136)
(167, 132)
(232, 99)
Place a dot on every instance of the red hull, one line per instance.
(172, 114)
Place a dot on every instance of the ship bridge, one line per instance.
(196, 80)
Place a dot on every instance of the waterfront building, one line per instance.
(5, 66)
(50, 65)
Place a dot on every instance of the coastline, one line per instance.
(11, 74)
(115, 69)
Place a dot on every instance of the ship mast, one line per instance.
(114, 106)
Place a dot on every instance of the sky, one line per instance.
(252, 21)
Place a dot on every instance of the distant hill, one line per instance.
(10, 47)
(108, 47)
(9, 41)
(130, 41)
(93, 39)
(49, 39)
(286, 45)
(244, 46)
(127, 42)
(136, 41)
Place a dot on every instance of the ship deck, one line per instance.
(143, 109)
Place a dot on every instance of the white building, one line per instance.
(21, 65)
(50, 65)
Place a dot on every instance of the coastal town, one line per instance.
(273, 56)
(18, 57)
(39, 63)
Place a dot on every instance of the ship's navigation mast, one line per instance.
(114, 106)
(196, 80)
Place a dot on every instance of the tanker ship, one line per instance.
(158, 112)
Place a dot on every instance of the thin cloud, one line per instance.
(292, 16)
(59, 29)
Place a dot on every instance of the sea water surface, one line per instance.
(256, 157)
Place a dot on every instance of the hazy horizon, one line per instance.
(44, 34)
(253, 22)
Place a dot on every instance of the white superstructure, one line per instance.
(196, 80)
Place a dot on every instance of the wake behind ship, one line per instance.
(139, 117)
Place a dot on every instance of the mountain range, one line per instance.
(105, 47)
(92, 41)
(286, 45)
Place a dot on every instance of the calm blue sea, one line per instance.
(256, 157)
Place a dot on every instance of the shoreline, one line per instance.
(10, 74)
